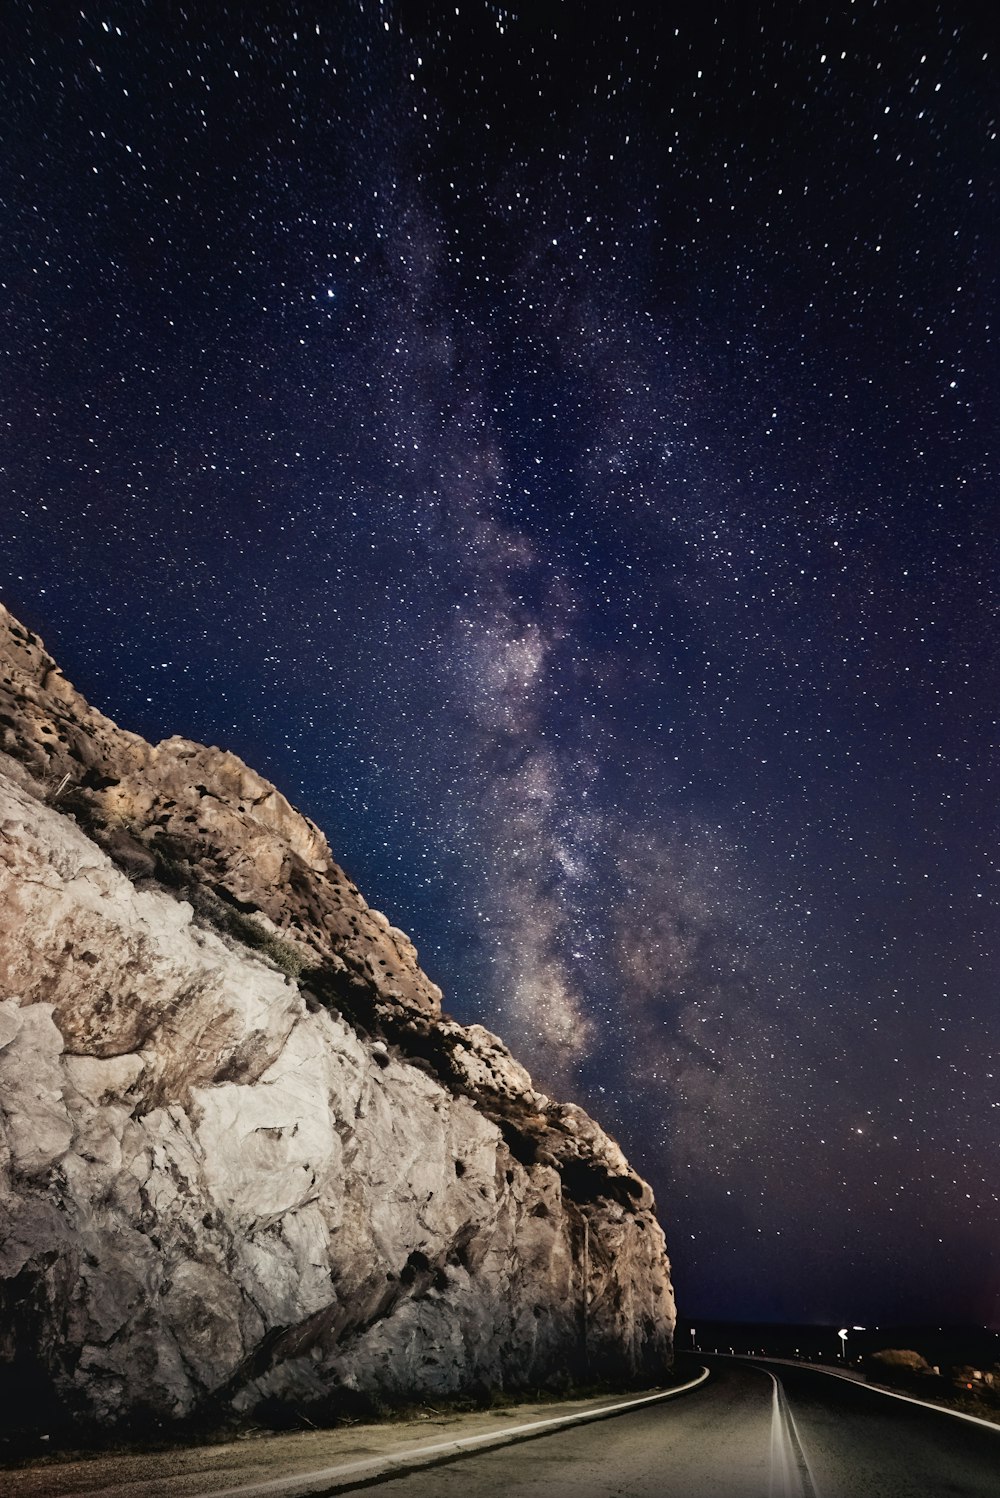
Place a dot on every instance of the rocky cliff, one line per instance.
(245, 1159)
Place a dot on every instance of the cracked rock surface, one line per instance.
(245, 1159)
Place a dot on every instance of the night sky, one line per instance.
(557, 443)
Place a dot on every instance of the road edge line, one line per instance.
(387, 1464)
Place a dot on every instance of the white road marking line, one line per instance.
(925, 1404)
(791, 1475)
(296, 1481)
(780, 1485)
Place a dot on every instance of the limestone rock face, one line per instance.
(244, 1157)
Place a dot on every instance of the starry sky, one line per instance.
(556, 442)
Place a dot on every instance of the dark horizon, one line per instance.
(685, 1322)
(559, 449)
(943, 1346)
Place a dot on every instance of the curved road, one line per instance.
(751, 1432)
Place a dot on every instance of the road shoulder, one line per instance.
(314, 1461)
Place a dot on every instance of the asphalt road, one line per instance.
(750, 1432)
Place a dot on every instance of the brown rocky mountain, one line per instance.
(245, 1159)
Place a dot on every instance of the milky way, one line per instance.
(558, 447)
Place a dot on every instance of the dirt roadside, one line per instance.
(252, 1460)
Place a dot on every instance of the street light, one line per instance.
(842, 1334)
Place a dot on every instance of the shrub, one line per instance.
(252, 934)
(898, 1365)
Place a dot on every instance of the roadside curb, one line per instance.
(860, 1383)
(375, 1469)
